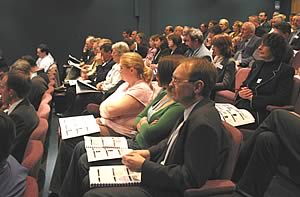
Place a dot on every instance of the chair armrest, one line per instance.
(211, 187)
(225, 96)
(286, 107)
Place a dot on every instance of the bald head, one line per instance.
(248, 30)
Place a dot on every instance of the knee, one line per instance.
(267, 139)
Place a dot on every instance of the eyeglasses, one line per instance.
(176, 80)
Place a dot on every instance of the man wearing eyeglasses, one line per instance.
(196, 149)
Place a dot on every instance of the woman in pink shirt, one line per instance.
(119, 110)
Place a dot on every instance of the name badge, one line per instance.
(258, 80)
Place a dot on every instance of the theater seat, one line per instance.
(227, 96)
(32, 157)
(293, 99)
(43, 111)
(40, 132)
(31, 187)
(223, 186)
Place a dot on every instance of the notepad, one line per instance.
(105, 148)
(75, 126)
(234, 116)
(113, 176)
(84, 87)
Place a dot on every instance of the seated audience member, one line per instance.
(161, 44)
(89, 71)
(236, 27)
(133, 34)
(3, 65)
(275, 142)
(34, 69)
(152, 50)
(112, 78)
(215, 30)
(175, 45)
(204, 29)
(38, 85)
(153, 124)
(284, 29)
(169, 30)
(259, 30)
(45, 59)
(142, 40)
(118, 111)
(269, 81)
(294, 39)
(13, 175)
(194, 41)
(126, 33)
(135, 47)
(15, 87)
(179, 31)
(263, 20)
(246, 47)
(224, 25)
(87, 52)
(196, 150)
(224, 63)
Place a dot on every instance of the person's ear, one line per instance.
(198, 86)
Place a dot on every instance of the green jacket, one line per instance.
(149, 135)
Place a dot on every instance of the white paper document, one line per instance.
(104, 148)
(234, 116)
(115, 175)
(75, 126)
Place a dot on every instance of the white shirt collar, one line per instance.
(13, 106)
(188, 110)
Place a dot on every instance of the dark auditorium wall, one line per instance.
(192, 12)
(63, 24)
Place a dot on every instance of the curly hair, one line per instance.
(277, 45)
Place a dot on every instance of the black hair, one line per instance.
(107, 47)
(43, 48)
(277, 45)
(284, 27)
(175, 38)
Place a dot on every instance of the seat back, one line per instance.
(32, 157)
(235, 143)
(295, 90)
(40, 132)
(296, 61)
(32, 189)
(240, 76)
(43, 111)
(46, 98)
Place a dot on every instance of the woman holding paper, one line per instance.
(154, 124)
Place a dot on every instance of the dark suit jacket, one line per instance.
(247, 51)
(226, 75)
(38, 88)
(101, 72)
(26, 120)
(142, 50)
(159, 54)
(275, 90)
(197, 155)
(296, 41)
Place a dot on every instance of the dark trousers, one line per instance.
(273, 143)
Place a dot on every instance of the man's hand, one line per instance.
(134, 160)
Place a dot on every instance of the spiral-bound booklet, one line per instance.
(113, 176)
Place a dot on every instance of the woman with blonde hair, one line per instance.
(119, 110)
